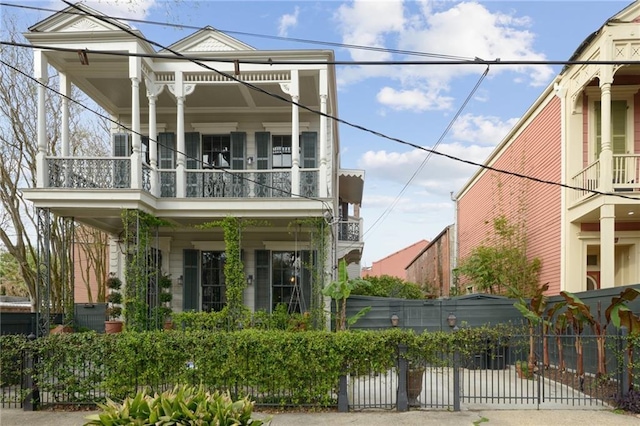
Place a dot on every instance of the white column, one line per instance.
(180, 166)
(65, 90)
(136, 158)
(607, 246)
(606, 154)
(153, 146)
(295, 134)
(324, 192)
(40, 68)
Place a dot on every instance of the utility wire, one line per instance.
(389, 209)
(265, 36)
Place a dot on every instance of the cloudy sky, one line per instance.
(407, 193)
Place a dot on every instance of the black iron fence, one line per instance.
(541, 371)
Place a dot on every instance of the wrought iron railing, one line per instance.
(240, 184)
(349, 230)
(96, 172)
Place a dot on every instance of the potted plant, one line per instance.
(114, 310)
(415, 374)
(163, 310)
(523, 370)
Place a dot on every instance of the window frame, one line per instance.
(618, 93)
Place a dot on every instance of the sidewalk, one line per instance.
(17, 417)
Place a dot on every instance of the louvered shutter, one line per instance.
(309, 142)
(262, 281)
(190, 281)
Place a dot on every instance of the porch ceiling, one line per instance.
(106, 80)
(589, 211)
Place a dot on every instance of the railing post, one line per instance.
(31, 399)
(343, 397)
(624, 342)
(456, 379)
(402, 399)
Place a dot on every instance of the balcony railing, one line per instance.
(115, 173)
(626, 177)
(349, 230)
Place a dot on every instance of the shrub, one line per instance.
(630, 402)
(388, 286)
(182, 405)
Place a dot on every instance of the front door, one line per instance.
(213, 281)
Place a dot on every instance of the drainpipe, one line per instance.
(454, 243)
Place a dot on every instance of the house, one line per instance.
(580, 144)
(394, 264)
(202, 130)
(431, 267)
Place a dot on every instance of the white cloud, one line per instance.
(482, 130)
(415, 99)
(288, 21)
(466, 29)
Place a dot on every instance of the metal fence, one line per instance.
(490, 376)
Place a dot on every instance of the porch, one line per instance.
(626, 178)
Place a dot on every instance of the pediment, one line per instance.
(631, 13)
(209, 40)
(71, 19)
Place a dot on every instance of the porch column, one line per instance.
(323, 134)
(606, 154)
(607, 246)
(65, 90)
(180, 90)
(153, 91)
(40, 66)
(295, 134)
(135, 71)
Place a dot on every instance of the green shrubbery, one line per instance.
(387, 286)
(184, 405)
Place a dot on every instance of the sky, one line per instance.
(407, 193)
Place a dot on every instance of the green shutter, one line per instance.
(262, 281)
(192, 150)
(262, 150)
(618, 127)
(238, 141)
(166, 150)
(190, 281)
(309, 143)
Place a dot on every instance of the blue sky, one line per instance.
(412, 103)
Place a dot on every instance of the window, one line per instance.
(216, 151)
(281, 151)
(213, 281)
(618, 127)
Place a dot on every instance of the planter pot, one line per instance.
(111, 327)
(59, 329)
(414, 385)
(523, 373)
(168, 325)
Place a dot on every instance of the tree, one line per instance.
(340, 290)
(501, 266)
(18, 148)
(388, 286)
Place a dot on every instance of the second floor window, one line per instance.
(216, 151)
(281, 151)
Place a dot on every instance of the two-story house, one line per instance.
(206, 128)
(580, 142)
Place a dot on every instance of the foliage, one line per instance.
(502, 266)
(114, 284)
(12, 282)
(629, 402)
(388, 286)
(182, 405)
(340, 290)
(11, 348)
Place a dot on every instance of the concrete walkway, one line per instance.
(17, 417)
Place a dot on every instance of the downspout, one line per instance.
(454, 243)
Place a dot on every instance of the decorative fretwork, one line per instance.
(89, 172)
(43, 287)
(267, 76)
(146, 177)
(237, 184)
(348, 231)
(309, 183)
(168, 183)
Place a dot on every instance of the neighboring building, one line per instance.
(193, 144)
(431, 267)
(394, 265)
(584, 132)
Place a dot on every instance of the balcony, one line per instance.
(626, 169)
(350, 242)
(116, 173)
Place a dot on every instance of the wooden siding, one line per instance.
(394, 265)
(534, 151)
(431, 268)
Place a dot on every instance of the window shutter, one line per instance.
(190, 281)
(262, 150)
(619, 127)
(309, 150)
(192, 150)
(238, 141)
(262, 281)
(121, 145)
(144, 140)
(166, 150)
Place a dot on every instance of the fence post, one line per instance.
(31, 399)
(456, 380)
(343, 396)
(402, 399)
(624, 342)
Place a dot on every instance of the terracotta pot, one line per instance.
(58, 329)
(168, 325)
(111, 327)
(414, 385)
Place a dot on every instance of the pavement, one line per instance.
(526, 417)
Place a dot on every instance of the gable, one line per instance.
(209, 40)
(71, 19)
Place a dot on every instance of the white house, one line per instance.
(206, 128)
